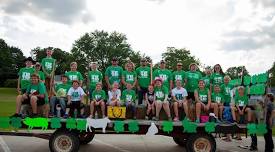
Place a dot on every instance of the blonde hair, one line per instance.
(227, 77)
(72, 63)
(130, 63)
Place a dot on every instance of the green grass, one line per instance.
(7, 101)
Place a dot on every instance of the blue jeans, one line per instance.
(55, 100)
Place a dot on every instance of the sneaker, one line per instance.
(146, 118)
(176, 119)
(252, 148)
(16, 115)
(82, 116)
(169, 119)
(66, 116)
(33, 115)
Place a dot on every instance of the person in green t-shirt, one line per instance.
(192, 78)
(206, 78)
(24, 76)
(35, 95)
(226, 89)
(40, 73)
(161, 94)
(165, 75)
(179, 74)
(129, 76)
(98, 98)
(241, 104)
(217, 101)
(60, 92)
(94, 77)
(48, 67)
(128, 99)
(113, 73)
(216, 76)
(144, 79)
(74, 74)
(203, 99)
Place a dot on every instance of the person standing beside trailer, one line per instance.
(144, 79)
(94, 77)
(113, 73)
(268, 109)
(74, 74)
(192, 78)
(48, 67)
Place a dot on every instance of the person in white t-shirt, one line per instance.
(75, 101)
(114, 95)
(179, 95)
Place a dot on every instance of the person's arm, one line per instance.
(123, 80)
(69, 96)
(82, 95)
(209, 98)
(135, 81)
(107, 82)
(197, 99)
(171, 84)
(18, 85)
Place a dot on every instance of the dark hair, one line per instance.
(64, 76)
(221, 72)
(271, 97)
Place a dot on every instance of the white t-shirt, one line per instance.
(179, 93)
(76, 94)
(112, 94)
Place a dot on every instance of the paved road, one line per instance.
(118, 143)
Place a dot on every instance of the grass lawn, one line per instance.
(7, 101)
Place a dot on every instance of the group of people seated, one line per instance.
(162, 88)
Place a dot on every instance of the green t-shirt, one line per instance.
(193, 78)
(217, 97)
(38, 89)
(160, 93)
(226, 89)
(62, 90)
(143, 76)
(128, 95)
(73, 75)
(179, 75)
(165, 75)
(129, 76)
(241, 100)
(98, 95)
(48, 64)
(203, 95)
(206, 80)
(25, 77)
(114, 74)
(41, 75)
(216, 78)
(94, 77)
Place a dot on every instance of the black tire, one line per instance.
(86, 137)
(180, 141)
(63, 140)
(201, 142)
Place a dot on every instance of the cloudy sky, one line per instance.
(229, 32)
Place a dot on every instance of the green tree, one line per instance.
(173, 55)
(101, 46)
(236, 72)
(63, 58)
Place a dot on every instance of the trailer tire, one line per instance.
(86, 137)
(65, 141)
(180, 141)
(201, 142)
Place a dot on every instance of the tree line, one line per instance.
(99, 46)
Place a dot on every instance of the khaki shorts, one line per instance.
(159, 101)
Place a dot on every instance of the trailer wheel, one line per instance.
(180, 141)
(86, 137)
(201, 142)
(64, 141)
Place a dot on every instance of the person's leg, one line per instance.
(167, 109)
(149, 108)
(185, 108)
(221, 112)
(269, 145)
(53, 103)
(176, 109)
(214, 106)
(158, 108)
(249, 114)
(233, 112)
(198, 110)
(62, 103)
(102, 106)
(19, 100)
(34, 104)
(92, 107)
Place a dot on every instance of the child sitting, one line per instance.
(150, 102)
(129, 99)
(114, 95)
(75, 100)
(98, 97)
(179, 95)
(217, 101)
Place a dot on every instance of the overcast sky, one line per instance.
(229, 32)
